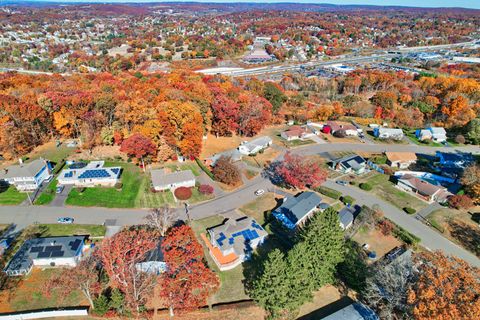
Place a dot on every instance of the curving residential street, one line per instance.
(22, 216)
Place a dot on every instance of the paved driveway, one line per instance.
(60, 198)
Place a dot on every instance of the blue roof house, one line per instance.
(454, 160)
(295, 211)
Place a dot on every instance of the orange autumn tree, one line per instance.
(188, 282)
(447, 288)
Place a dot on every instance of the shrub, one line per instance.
(460, 201)
(353, 183)
(365, 186)
(204, 168)
(409, 210)
(59, 166)
(405, 236)
(183, 193)
(226, 172)
(101, 305)
(118, 185)
(348, 200)
(329, 192)
(386, 227)
(460, 139)
(205, 189)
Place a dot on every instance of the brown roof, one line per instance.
(401, 156)
(420, 185)
(337, 126)
(295, 131)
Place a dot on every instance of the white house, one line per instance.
(233, 241)
(423, 189)
(94, 174)
(297, 133)
(27, 176)
(388, 133)
(46, 252)
(161, 180)
(437, 134)
(348, 129)
(255, 146)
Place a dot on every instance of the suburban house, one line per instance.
(354, 311)
(93, 174)
(346, 216)
(401, 160)
(233, 154)
(153, 262)
(454, 160)
(162, 180)
(295, 211)
(27, 176)
(388, 133)
(437, 134)
(350, 164)
(336, 128)
(46, 252)
(296, 133)
(255, 146)
(5, 244)
(423, 189)
(232, 242)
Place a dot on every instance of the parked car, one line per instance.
(341, 182)
(65, 220)
(59, 189)
(259, 192)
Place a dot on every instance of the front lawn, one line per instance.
(199, 197)
(10, 196)
(132, 179)
(428, 143)
(148, 199)
(386, 190)
(48, 194)
(259, 208)
(57, 230)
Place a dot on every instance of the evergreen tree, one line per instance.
(353, 270)
(272, 289)
(323, 242)
(101, 305)
(117, 300)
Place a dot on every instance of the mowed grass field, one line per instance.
(132, 179)
(10, 196)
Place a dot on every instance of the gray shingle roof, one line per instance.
(160, 178)
(298, 207)
(23, 170)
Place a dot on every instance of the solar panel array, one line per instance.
(75, 244)
(69, 174)
(256, 225)
(96, 173)
(49, 251)
(115, 170)
(221, 238)
(248, 235)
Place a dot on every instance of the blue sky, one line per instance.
(413, 3)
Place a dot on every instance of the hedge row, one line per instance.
(58, 167)
(329, 192)
(204, 168)
(365, 186)
(406, 236)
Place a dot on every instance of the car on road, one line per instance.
(259, 192)
(341, 182)
(59, 189)
(65, 220)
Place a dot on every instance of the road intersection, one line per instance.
(22, 216)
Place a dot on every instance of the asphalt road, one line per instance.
(25, 215)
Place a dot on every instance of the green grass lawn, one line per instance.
(386, 190)
(11, 196)
(189, 165)
(55, 230)
(52, 153)
(48, 194)
(132, 179)
(198, 197)
(297, 143)
(428, 143)
(148, 199)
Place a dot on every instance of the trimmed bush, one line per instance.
(409, 210)
(204, 168)
(183, 193)
(353, 183)
(329, 192)
(366, 186)
(405, 236)
(348, 200)
(205, 189)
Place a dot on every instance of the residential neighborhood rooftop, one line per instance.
(162, 178)
(29, 169)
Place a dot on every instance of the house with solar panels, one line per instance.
(93, 174)
(232, 242)
(295, 211)
(46, 252)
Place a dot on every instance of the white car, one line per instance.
(259, 192)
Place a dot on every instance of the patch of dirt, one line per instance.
(99, 152)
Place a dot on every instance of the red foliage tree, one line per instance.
(386, 227)
(460, 201)
(119, 256)
(205, 189)
(183, 193)
(298, 172)
(138, 146)
(187, 283)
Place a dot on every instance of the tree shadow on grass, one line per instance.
(466, 235)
